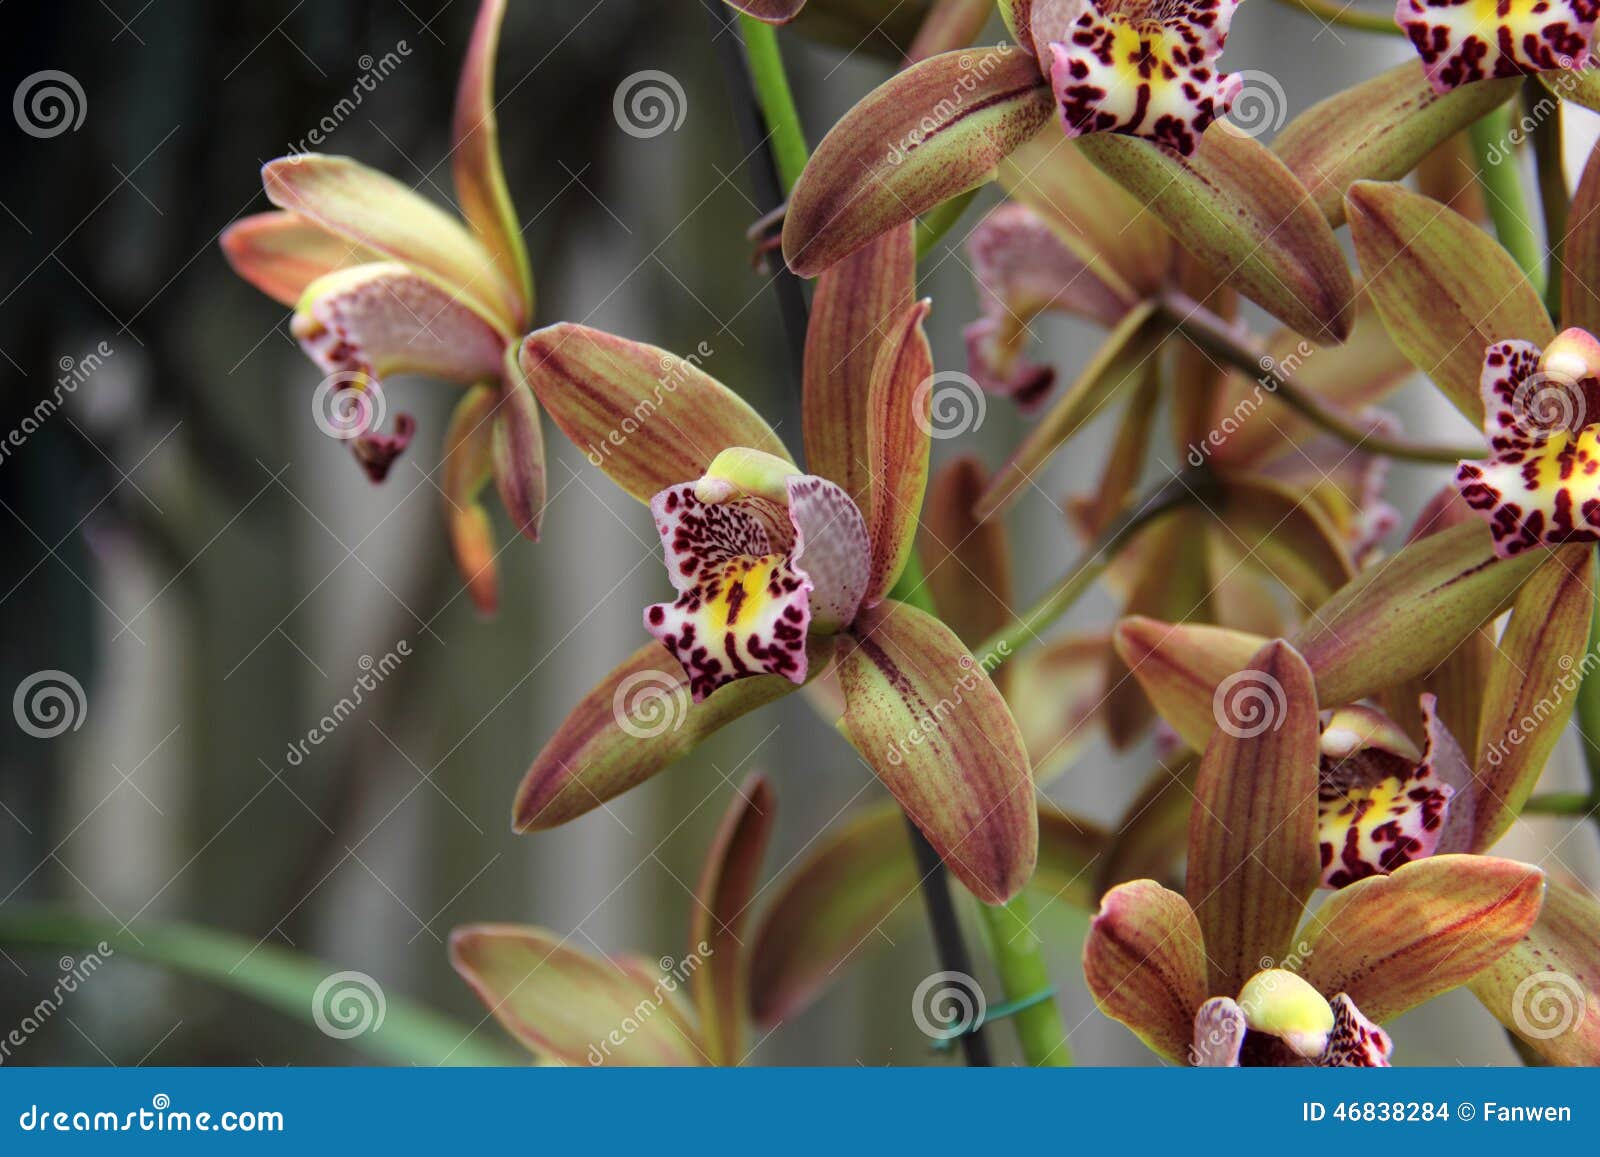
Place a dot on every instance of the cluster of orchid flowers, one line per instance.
(1337, 715)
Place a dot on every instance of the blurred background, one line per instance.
(214, 573)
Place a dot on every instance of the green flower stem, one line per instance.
(1333, 12)
(1017, 952)
(1552, 169)
(788, 138)
(409, 1034)
(1230, 344)
(1560, 803)
(939, 220)
(1508, 207)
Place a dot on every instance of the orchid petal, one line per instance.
(1124, 466)
(1355, 1042)
(722, 905)
(281, 254)
(1180, 666)
(648, 418)
(899, 411)
(1392, 942)
(519, 470)
(637, 721)
(1444, 288)
(475, 160)
(463, 474)
(1546, 989)
(1580, 255)
(1253, 833)
(374, 210)
(949, 24)
(926, 717)
(1056, 692)
(929, 134)
(967, 563)
(569, 1005)
(1463, 43)
(1533, 683)
(1243, 214)
(1145, 963)
(769, 11)
(855, 304)
(832, 548)
(1287, 538)
(1219, 1031)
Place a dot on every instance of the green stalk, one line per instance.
(1552, 170)
(409, 1034)
(1508, 206)
(1332, 12)
(788, 140)
(1017, 952)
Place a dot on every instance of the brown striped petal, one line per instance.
(281, 254)
(1392, 942)
(722, 907)
(929, 134)
(1253, 832)
(463, 475)
(926, 718)
(519, 470)
(1145, 963)
(646, 417)
(1580, 259)
(899, 443)
(1180, 666)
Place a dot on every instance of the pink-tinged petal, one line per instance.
(949, 24)
(723, 898)
(925, 716)
(1151, 78)
(463, 474)
(383, 319)
(373, 210)
(1546, 989)
(475, 161)
(570, 1006)
(1253, 832)
(931, 133)
(1461, 43)
(648, 418)
(832, 550)
(1180, 666)
(1219, 1030)
(280, 254)
(519, 469)
(855, 304)
(899, 444)
(967, 563)
(1145, 963)
(1355, 1042)
(636, 722)
(827, 912)
(1392, 942)
(1023, 269)
(1534, 678)
(769, 11)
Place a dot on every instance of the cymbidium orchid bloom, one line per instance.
(1541, 407)
(1461, 41)
(782, 573)
(384, 282)
(1227, 975)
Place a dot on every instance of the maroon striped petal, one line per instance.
(281, 254)
(1145, 963)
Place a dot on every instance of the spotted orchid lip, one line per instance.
(1460, 43)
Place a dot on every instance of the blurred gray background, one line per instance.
(184, 542)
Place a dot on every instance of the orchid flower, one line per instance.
(1541, 485)
(384, 282)
(1226, 975)
(1462, 41)
(780, 573)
